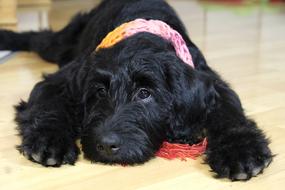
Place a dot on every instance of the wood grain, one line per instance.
(33, 2)
(246, 49)
(8, 14)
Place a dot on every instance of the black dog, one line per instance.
(124, 101)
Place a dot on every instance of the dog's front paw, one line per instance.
(49, 149)
(239, 158)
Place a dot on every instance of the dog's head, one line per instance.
(138, 94)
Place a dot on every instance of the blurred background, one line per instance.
(241, 39)
(247, 19)
(42, 14)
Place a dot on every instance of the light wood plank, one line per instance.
(8, 14)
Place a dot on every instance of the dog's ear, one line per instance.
(194, 96)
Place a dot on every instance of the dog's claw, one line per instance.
(51, 162)
(240, 176)
(36, 157)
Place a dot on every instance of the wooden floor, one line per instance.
(245, 44)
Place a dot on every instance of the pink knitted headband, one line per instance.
(152, 26)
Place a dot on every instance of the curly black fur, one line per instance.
(94, 96)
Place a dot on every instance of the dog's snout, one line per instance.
(108, 145)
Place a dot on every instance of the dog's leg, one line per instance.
(58, 47)
(237, 148)
(48, 124)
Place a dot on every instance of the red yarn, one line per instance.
(182, 151)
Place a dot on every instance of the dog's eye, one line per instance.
(101, 92)
(143, 94)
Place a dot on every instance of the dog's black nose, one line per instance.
(108, 145)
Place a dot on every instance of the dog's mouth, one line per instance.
(121, 156)
(115, 151)
(130, 157)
